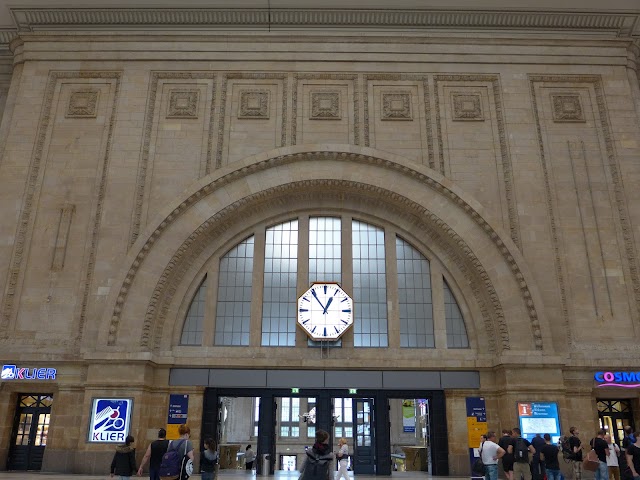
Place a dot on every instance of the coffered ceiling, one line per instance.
(610, 18)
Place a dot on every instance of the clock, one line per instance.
(325, 311)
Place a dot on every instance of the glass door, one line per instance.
(30, 432)
(364, 437)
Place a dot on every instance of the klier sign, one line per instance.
(618, 379)
(14, 372)
(110, 420)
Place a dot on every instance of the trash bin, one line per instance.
(264, 464)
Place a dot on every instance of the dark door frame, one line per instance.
(34, 454)
(267, 426)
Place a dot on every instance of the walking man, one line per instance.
(521, 450)
(576, 447)
(154, 453)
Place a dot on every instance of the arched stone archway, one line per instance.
(495, 274)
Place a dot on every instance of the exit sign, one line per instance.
(353, 391)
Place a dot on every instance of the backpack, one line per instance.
(567, 453)
(171, 465)
(521, 450)
(316, 467)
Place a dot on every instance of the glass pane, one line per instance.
(369, 286)
(24, 428)
(456, 330)
(414, 293)
(192, 329)
(280, 294)
(42, 430)
(325, 249)
(233, 310)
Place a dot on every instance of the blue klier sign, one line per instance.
(15, 372)
(110, 420)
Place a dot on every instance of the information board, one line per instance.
(539, 417)
(476, 426)
(178, 410)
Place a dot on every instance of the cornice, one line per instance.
(310, 20)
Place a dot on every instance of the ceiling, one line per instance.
(617, 18)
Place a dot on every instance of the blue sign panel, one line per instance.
(178, 409)
(110, 420)
(539, 418)
(618, 379)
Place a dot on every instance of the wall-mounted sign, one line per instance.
(178, 410)
(476, 426)
(618, 379)
(539, 418)
(14, 372)
(110, 420)
(408, 416)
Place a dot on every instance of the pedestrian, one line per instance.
(521, 450)
(633, 457)
(537, 465)
(249, 457)
(318, 461)
(490, 453)
(602, 450)
(612, 458)
(124, 460)
(506, 443)
(576, 447)
(154, 453)
(209, 459)
(549, 455)
(343, 459)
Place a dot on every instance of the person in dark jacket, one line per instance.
(124, 460)
(319, 455)
(209, 459)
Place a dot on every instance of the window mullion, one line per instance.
(391, 265)
(437, 297)
(255, 336)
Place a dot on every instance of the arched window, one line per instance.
(354, 253)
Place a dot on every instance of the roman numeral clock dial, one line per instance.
(325, 311)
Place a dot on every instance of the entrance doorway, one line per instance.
(614, 415)
(30, 431)
(281, 423)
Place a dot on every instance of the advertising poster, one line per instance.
(110, 420)
(476, 426)
(539, 417)
(178, 409)
(408, 416)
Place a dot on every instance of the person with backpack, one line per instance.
(576, 447)
(319, 459)
(209, 459)
(521, 450)
(154, 453)
(177, 462)
(602, 450)
(124, 460)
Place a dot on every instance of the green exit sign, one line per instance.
(295, 390)
(353, 391)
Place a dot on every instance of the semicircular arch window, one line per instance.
(391, 282)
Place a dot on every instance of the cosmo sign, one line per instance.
(617, 379)
(110, 420)
(14, 372)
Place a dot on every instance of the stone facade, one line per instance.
(129, 161)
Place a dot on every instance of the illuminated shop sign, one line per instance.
(13, 372)
(110, 420)
(618, 379)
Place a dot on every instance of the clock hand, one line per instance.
(313, 292)
(327, 307)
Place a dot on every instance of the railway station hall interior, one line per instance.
(405, 223)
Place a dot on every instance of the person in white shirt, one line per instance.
(612, 459)
(490, 453)
(343, 459)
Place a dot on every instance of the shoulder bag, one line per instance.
(591, 461)
(479, 469)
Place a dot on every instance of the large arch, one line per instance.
(490, 267)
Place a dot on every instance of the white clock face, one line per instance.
(325, 311)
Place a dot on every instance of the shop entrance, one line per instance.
(30, 431)
(279, 424)
(614, 415)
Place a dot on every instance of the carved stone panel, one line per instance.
(567, 108)
(83, 104)
(183, 104)
(396, 106)
(254, 104)
(325, 105)
(466, 107)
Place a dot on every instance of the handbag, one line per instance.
(479, 469)
(591, 462)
